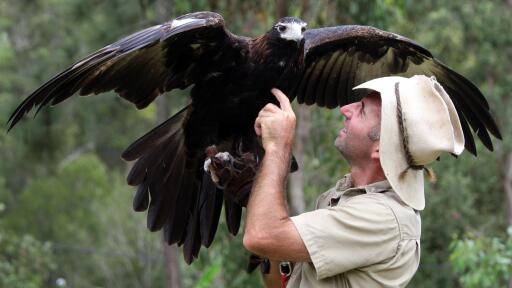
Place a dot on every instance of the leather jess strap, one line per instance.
(285, 269)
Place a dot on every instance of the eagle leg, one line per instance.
(234, 175)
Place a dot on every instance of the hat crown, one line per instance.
(427, 121)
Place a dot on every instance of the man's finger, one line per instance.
(271, 107)
(284, 102)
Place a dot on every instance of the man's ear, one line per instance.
(375, 155)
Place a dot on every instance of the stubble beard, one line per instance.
(343, 147)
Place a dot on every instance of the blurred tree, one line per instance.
(61, 210)
(24, 261)
(483, 262)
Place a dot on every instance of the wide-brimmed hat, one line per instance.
(418, 123)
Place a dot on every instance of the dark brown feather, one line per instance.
(233, 213)
(328, 97)
(141, 198)
(210, 210)
(313, 81)
(155, 137)
(192, 242)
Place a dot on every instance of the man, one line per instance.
(366, 230)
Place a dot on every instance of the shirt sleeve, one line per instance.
(356, 233)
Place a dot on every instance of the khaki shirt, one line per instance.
(358, 237)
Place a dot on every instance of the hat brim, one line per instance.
(410, 185)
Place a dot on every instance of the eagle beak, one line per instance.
(296, 34)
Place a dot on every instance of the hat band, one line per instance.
(411, 164)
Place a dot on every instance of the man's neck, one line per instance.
(362, 176)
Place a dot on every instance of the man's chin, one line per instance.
(338, 143)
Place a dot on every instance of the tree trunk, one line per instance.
(507, 186)
(281, 8)
(508, 180)
(172, 267)
(296, 180)
(163, 13)
(296, 192)
(213, 5)
(306, 10)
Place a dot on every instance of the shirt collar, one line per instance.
(345, 186)
(378, 187)
(344, 183)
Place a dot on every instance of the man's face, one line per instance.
(357, 139)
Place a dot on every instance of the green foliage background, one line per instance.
(66, 211)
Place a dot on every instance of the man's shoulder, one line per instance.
(408, 219)
(370, 204)
(387, 206)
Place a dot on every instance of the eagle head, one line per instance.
(289, 29)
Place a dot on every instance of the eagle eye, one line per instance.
(303, 29)
(281, 28)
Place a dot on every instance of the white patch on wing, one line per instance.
(177, 22)
(293, 31)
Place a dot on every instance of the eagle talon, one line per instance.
(224, 156)
(209, 166)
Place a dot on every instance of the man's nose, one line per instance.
(346, 111)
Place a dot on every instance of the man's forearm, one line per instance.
(266, 209)
(267, 202)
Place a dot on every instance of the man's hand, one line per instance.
(276, 125)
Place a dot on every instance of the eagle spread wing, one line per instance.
(340, 58)
(140, 66)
